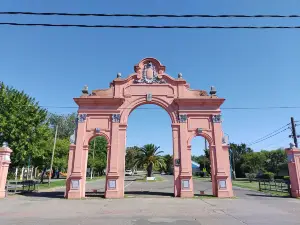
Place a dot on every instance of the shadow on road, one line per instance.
(52, 194)
(199, 195)
(267, 196)
(150, 193)
(94, 194)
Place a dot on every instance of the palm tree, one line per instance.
(149, 157)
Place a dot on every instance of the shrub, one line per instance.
(202, 174)
(268, 176)
(10, 176)
(286, 177)
(250, 176)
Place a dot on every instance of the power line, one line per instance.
(267, 107)
(146, 26)
(258, 140)
(148, 15)
(268, 137)
(222, 108)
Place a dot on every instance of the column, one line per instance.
(76, 175)
(121, 162)
(84, 168)
(212, 156)
(5, 152)
(70, 168)
(222, 164)
(185, 169)
(113, 183)
(293, 155)
(176, 159)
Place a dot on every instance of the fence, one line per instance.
(282, 186)
(22, 173)
(14, 187)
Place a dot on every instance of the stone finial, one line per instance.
(119, 75)
(85, 90)
(292, 145)
(213, 91)
(179, 75)
(4, 144)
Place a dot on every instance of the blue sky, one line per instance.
(250, 68)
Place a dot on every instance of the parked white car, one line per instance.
(128, 173)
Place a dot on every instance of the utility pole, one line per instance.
(53, 150)
(294, 134)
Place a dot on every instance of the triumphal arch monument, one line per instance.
(105, 112)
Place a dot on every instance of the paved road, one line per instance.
(134, 188)
(145, 209)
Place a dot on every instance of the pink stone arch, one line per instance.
(141, 101)
(91, 135)
(108, 110)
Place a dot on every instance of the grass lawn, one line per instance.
(62, 183)
(246, 184)
(202, 178)
(254, 186)
(157, 179)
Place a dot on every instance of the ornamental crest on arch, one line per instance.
(149, 75)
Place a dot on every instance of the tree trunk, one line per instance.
(149, 170)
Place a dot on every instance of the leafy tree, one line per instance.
(66, 124)
(253, 162)
(169, 163)
(23, 124)
(97, 157)
(60, 160)
(275, 160)
(207, 158)
(150, 158)
(131, 154)
(237, 152)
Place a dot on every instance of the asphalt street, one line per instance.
(148, 203)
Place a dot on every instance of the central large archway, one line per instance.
(106, 112)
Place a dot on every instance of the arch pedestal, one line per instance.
(4, 164)
(106, 112)
(294, 170)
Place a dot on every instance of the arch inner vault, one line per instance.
(105, 113)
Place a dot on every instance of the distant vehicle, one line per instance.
(128, 173)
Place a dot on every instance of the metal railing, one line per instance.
(282, 186)
(15, 187)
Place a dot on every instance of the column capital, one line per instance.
(123, 126)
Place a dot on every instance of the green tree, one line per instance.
(202, 160)
(169, 163)
(61, 154)
(97, 157)
(207, 158)
(23, 124)
(131, 154)
(253, 162)
(66, 124)
(149, 158)
(275, 160)
(237, 152)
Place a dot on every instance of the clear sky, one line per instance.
(250, 68)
